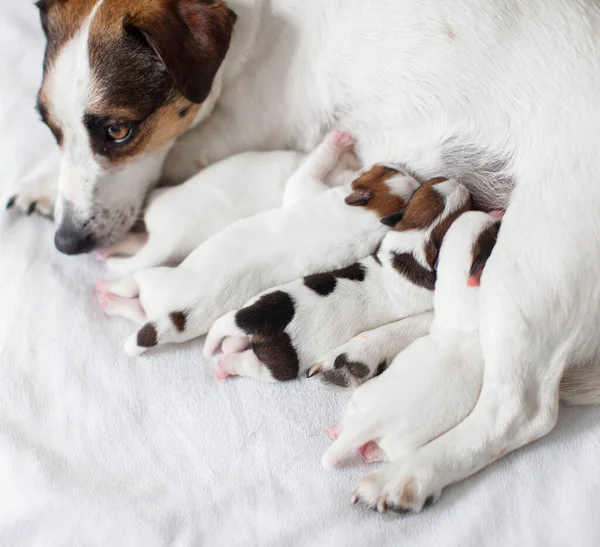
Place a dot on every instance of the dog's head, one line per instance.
(383, 190)
(122, 79)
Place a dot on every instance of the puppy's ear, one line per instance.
(482, 250)
(190, 37)
(393, 219)
(360, 196)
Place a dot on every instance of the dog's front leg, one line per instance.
(37, 193)
(536, 314)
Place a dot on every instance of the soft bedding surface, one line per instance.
(98, 449)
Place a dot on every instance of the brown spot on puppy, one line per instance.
(269, 316)
(424, 208)
(408, 266)
(179, 320)
(483, 247)
(278, 355)
(371, 191)
(147, 336)
(324, 283)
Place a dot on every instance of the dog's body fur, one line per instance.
(322, 311)
(497, 94)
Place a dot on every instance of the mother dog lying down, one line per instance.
(496, 94)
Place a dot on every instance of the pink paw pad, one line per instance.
(333, 431)
(370, 452)
(222, 374)
(345, 140)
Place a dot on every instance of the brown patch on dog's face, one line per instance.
(424, 208)
(371, 191)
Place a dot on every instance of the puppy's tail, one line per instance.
(175, 328)
(581, 385)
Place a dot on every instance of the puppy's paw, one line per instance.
(403, 486)
(341, 140)
(348, 366)
(37, 194)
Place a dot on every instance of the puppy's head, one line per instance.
(122, 79)
(432, 209)
(383, 190)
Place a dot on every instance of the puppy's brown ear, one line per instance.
(393, 219)
(482, 250)
(190, 37)
(360, 196)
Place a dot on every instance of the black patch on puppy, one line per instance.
(381, 368)
(336, 378)
(147, 336)
(277, 353)
(11, 201)
(179, 320)
(269, 316)
(392, 220)
(406, 264)
(355, 272)
(324, 283)
(357, 369)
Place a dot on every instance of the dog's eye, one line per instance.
(118, 133)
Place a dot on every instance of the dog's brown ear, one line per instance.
(393, 219)
(360, 196)
(190, 37)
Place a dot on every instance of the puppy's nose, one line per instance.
(72, 242)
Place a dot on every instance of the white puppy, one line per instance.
(179, 218)
(282, 332)
(262, 251)
(434, 383)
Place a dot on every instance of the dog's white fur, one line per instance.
(431, 386)
(322, 322)
(179, 218)
(510, 87)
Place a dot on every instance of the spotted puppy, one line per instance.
(284, 331)
(253, 254)
(433, 384)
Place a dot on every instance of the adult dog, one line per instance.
(496, 93)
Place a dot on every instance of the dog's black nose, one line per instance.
(71, 242)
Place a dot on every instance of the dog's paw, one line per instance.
(37, 194)
(403, 486)
(348, 366)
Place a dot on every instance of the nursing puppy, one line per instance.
(179, 218)
(434, 383)
(282, 332)
(262, 251)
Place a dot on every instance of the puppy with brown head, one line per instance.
(122, 79)
(282, 332)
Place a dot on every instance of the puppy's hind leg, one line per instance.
(156, 252)
(118, 306)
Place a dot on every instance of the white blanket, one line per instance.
(98, 449)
